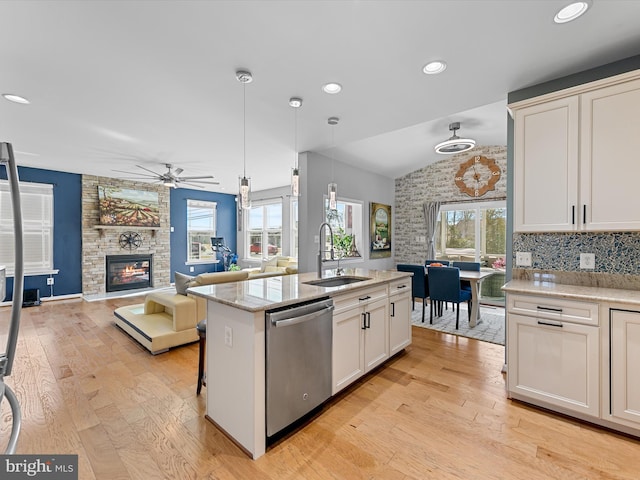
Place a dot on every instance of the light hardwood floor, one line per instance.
(438, 410)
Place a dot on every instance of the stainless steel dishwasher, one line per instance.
(298, 361)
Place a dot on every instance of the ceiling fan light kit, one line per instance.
(454, 144)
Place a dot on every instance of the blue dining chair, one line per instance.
(444, 286)
(443, 262)
(419, 287)
(470, 267)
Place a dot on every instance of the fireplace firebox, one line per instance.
(128, 272)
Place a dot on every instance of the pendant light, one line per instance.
(455, 144)
(332, 188)
(244, 192)
(295, 103)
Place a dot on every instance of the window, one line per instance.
(475, 233)
(37, 226)
(264, 229)
(201, 226)
(346, 223)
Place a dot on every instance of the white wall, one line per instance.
(316, 171)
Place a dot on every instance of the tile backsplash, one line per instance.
(616, 253)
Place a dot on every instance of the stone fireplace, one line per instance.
(100, 242)
(128, 272)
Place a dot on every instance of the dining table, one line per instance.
(475, 279)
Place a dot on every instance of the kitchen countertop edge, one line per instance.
(573, 292)
(236, 294)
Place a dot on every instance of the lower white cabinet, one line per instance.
(624, 348)
(399, 315)
(552, 361)
(369, 326)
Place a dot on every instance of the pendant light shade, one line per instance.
(244, 191)
(244, 195)
(332, 192)
(455, 144)
(295, 103)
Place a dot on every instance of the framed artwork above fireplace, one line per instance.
(129, 208)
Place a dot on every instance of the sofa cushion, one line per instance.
(270, 269)
(268, 262)
(182, 282)
(219, 277)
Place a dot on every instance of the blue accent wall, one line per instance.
(67, 232)
(226, 227)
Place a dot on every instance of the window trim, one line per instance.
(192, 202)
(31, 227)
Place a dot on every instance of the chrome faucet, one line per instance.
(321, 252)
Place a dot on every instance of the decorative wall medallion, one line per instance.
(130, 240)
(477, 176)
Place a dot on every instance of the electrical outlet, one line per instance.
(523, 259)
(228, 336)
(588, 261)
(316, 239)
(50, 281)
(191, 269)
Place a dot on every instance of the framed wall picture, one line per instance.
(380, 230)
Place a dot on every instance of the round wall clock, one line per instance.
(477, 176)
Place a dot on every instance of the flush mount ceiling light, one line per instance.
(16, 98)
(571, 12)
(332, 88)
(433, 68)
(455, 144)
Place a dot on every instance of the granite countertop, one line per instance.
(574, 292)
(273, 292)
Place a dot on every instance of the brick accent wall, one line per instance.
(435, 182)
(97, 244)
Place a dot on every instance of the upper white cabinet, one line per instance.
(575, 162)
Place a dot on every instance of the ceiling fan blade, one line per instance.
(205, 182)
(136, 174)
(197, 177)
(178, 171)
(151, 171)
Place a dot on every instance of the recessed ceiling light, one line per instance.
(16, 98)
(571, 12)
(432, 68)
(332, 88)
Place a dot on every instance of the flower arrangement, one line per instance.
(499, 263)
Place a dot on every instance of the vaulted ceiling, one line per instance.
(117, 84)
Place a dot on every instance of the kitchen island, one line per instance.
(371, 322)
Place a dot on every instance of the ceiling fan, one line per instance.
(171, 178)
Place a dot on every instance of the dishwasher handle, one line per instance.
(278, 321)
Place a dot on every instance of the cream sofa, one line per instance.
(273, 267)
(168, 319)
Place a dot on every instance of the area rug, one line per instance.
(490, 327)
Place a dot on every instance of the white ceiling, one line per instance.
(113, 84)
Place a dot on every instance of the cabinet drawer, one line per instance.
(358, 297)
(554, 309)
(398, 287)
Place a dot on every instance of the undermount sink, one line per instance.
(335, 281)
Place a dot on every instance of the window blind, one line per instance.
(37, 224)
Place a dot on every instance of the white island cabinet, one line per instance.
(236, 353)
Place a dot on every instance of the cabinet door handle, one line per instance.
(573, 214)
(584, 214)
(559, 325)
(364, 320)
(393, 309)
(549, 309)
(401, 286)
(364, 298)
(368, 319)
